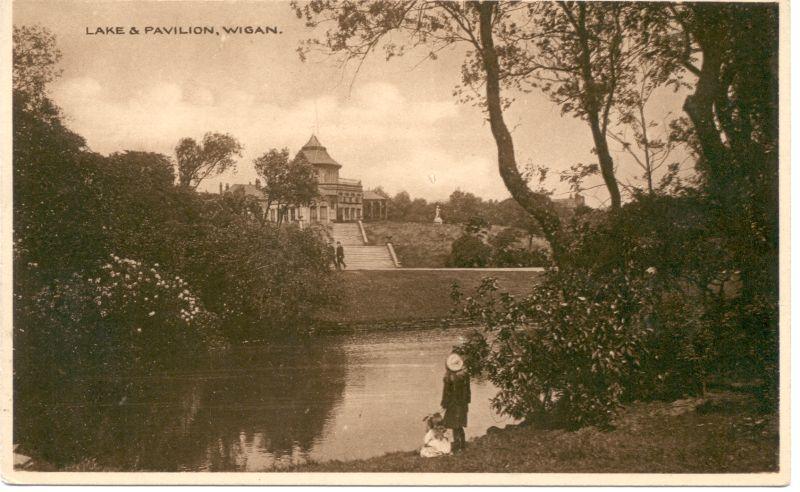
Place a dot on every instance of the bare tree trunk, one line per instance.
(593, 111)
(648, 164)
(700, 105)
(537, 204)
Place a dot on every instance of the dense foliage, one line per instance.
(647, 308)
(711, 244)
(567, 349)
(461, 208)
(123, 316)
(476, 248)
(116, 266)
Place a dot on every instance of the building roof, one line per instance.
(247, 189)
(572, 202)
(374, 195)
(315, 153)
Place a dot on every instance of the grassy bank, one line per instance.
(402, 295)
(416, 245)
(423, 245)
(723, 433)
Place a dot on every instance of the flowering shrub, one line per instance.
(567, 350)
(127, 315)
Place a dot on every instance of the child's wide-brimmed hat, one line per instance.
(454, 362)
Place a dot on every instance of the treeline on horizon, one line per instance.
(461, 207)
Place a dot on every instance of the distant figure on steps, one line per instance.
(332, 256)
(340, 256)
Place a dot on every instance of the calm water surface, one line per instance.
(256, 408)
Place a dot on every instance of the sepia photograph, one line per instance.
(396, 242)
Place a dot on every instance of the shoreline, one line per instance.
(723, 432)
(719, 433)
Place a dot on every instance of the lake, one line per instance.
(257, 408)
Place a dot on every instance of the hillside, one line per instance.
(421, 245)
(379, 297)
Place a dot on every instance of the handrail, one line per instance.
(363, 234)
(394, 256)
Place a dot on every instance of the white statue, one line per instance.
(438, 218)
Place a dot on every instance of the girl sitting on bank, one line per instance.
(436, 441)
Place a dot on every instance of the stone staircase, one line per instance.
(357, 255)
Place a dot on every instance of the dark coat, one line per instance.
(455, 399)
(339, 252)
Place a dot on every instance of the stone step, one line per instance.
(357, 255)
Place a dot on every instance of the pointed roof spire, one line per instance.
(315, 153)
(313, 142)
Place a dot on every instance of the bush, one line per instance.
(125, 316)
(468, 251)
(646, 306)
(263, 281)
(566, 351)
(507, 253)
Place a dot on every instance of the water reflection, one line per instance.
(250, 409)
(255, 408)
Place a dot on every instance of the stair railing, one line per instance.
(394, 256)
(363, 234)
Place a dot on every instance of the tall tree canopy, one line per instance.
(214, 155)
(287, 182)
(35, 58)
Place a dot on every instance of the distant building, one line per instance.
(376, 205)
(566, 207)
(571, 203)
(339, 199)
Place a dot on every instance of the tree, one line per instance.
(399, 206)
(214, 155)
(461, 207)
(510, 213)
(150, 169)
(35, 56)
(734, 116)
(359, 28)
(583, 61)
(286, 183)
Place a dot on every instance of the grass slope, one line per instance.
(722, 434)
(425, 245)
(417, 245)
(399, 295)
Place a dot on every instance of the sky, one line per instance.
(394, 124)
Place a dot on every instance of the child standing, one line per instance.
(455, 399)
(436, 442)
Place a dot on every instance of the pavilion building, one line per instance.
(338, 199)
